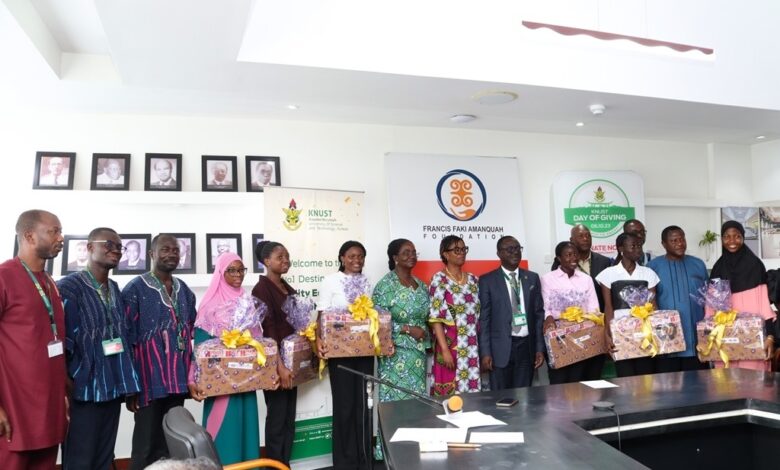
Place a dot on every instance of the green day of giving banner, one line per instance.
(312, 224)
(601, 200)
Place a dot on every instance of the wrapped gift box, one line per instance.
(299, 358)
(572, 342)
(743, 340)
(346, 337)
(627, 335)
(224, 371)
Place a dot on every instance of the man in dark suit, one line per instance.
(510, 338)
(589, 262)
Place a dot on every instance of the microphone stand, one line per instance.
(418, 396)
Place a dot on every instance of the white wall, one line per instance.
(338, 156)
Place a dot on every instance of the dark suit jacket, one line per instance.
(598, 263)
(495, 318)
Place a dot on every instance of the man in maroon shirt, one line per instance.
(33, 407)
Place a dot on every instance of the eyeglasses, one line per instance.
(112, 245)
(408, 253)
(458, 250)
(513, 249)
(236, 271)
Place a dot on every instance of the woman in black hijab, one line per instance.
(747, 276)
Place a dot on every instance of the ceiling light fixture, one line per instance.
(597, 109)
(569, 31)
(760, 137)
(580, 124)
(292, 106)
(493, 97)
(462, 118)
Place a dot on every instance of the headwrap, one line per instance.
(742, 268)
(219, 291)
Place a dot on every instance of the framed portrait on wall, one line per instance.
(187, 263)
(54, 170)
(770, 232)
(218, 243)
(163, 172)
(257, 265)
(135, 256)
(110, 171)
(74, 254)
(48, 266)
(262, 172)
(219, 173)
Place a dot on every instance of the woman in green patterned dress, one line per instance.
(406, 298)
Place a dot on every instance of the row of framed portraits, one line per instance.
(135, 259)
(111, 171)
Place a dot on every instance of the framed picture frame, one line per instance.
(187, 253)
(257, 266)
(110, 171)
(219, 173)
(218, 243)
(74, 254)
(54, 170)
(48, 266)
(162, 172)
(262, 172)
(135, 259)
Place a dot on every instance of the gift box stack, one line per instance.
(296, 349)
(229, 363)
(645, 332)
(224, 371)
(728, 335)
(346, 336)
(577, 336)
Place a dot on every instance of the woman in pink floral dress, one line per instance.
(454, 316)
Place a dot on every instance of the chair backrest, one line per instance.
(187, 439)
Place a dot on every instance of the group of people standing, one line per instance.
(72, 352)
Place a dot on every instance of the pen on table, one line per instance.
(462, 445)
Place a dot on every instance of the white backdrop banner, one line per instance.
(601, 200)
(312, 224)
(476, 198)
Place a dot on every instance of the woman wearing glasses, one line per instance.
(406, 298)
(454, 315)
(273, 290)
(230, 419)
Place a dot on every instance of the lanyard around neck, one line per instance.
(44, 297)
(104, 299)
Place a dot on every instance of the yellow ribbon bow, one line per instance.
(643, 312)
(362, 308)
(235, 338)
(310, 333)
(715, 338)
(575, 314)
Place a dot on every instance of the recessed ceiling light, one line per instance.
(760, 137)
(580, 124)
(492, 97)
(292, 106)
(462, 118)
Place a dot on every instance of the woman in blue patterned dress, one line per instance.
(406, 298)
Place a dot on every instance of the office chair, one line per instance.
(186, 439)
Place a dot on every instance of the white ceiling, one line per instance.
(181, 57)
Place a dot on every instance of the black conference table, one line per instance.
(723, 418)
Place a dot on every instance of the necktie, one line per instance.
(513, 284)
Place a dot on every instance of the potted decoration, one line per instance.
(708, 241)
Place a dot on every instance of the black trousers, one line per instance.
(351, 432)
(91, 437)
(679, 364)
(519, 371)
(589, 369)
(280, 423)
(148, 439)
(638, 366)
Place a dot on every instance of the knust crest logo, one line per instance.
(601, 205)
(292, 216)
(461, 195)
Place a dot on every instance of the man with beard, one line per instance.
(97, 354)
(33, 402)
(161, 310)
(510, 337)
